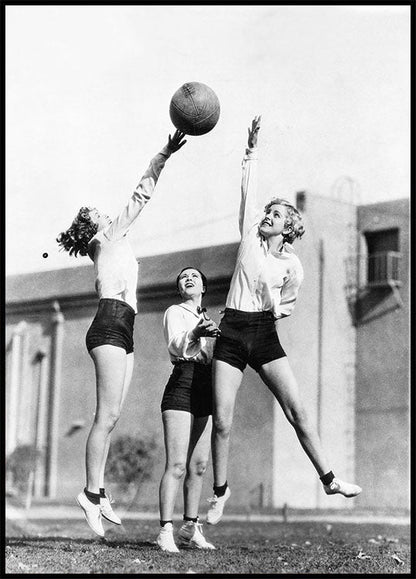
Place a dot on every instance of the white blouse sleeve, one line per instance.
(177, 336)
(249, 212)
(290, 290)
(140, 197)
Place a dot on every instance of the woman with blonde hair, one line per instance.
(263, 289)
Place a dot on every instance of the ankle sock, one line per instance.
(102, 493)
(189, 519)
(220, 491)
(327, 478)
(93, 497)
(163, 523)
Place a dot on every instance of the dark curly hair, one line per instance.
(76, 239)
(293, 219)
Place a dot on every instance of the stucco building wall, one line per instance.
(350, 358)
(383, 357)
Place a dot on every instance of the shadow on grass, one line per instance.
(44, 542)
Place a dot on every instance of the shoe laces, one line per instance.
(199, 537)
(198, 527)
(213, 500)
(109, 496)
(195, 525)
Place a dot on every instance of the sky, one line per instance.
(87, 106)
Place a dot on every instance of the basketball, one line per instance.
(194, 108)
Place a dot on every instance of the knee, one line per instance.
(108, 420)
(222, 424)
(176, 469)
(198, 467)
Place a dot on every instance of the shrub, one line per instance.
(130, 460)
(19, 464)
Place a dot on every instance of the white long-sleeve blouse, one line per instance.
(178, 322)
(262, 280)
(115, 264)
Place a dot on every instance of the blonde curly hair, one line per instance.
(293, 219)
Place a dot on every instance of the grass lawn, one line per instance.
(51, 546)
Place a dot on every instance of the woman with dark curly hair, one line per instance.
(109, 339)
(186, 410)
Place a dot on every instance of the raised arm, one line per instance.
(249, 212)
(144, 190)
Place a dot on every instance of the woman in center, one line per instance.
(186, 410)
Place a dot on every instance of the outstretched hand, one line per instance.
(176, 142)
(253, 132)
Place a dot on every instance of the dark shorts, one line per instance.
(113, 324)
(248, 338)
(189, 388)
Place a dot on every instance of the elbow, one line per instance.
(285, 310)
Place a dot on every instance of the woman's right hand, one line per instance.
(253, 132)
(206, 328)
(177, 141)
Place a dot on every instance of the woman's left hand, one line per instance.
(206, 328)
(176, 142)
(253, 132)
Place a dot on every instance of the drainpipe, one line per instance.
(55, 390)
(320, 340)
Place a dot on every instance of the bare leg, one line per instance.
(110, 369)
(177, 426)
(279, 378)
(226, 382)
(198, 455)
(127, 381)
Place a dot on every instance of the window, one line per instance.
(383, 258)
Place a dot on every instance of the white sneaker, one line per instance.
(339, 486)
(165, 539)
(92, 513)
(106, 510)
(215, 511)
(191, 535)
